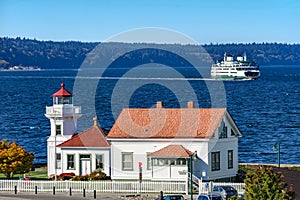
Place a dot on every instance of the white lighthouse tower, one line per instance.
(63, 117)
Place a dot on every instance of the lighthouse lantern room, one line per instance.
(63, 116)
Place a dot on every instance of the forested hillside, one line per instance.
(70, 54)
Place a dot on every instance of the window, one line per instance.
(58, 129)
(232, 133)
(99, 161)
(230, 159)
(70, 161)
(223, 132)
(169, 161)
(215, 161)
(149, 162)
(127, 161)
(58, 161)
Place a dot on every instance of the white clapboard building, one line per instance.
(164, 141)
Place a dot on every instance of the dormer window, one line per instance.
(223, 131)
(232, 133)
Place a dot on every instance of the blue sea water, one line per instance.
(266, 110)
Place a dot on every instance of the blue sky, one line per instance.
(215, 21)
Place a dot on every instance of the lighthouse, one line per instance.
(63, 116)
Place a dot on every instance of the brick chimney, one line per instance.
(190, 104)
(95, 121)
(159, 104)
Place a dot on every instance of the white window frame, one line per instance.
(68, 162)
(58, 161)
(127, 165)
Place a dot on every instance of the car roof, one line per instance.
(227, 187)
(212, 195)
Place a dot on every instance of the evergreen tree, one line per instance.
(265, 184)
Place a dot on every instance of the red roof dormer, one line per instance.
(62, 92)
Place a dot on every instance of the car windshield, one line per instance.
(174, 197)
(228, 188)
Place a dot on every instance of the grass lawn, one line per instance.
(34, 175)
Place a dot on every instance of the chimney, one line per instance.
(95, 121)
(159, 104)
(190, 104)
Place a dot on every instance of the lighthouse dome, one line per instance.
(62, 96)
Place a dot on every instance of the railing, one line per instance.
(204, 189)
(90, 186)
(58, 111)
(238, 186)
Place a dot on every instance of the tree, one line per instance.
(14, 159)
(265, 184)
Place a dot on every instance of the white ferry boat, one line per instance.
(239, 69)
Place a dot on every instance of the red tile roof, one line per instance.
(92, 137)
(167, 123)
(62, 92)
(174, 151)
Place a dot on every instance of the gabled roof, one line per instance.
(173, 151)
(62, 92)
(92, 137)
(167, 123)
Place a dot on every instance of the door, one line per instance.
(85, 167)
(85, 164)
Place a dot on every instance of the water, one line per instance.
(266, 110)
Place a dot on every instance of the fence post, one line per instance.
(35, 189)
(161, 195)
(16, 189)
(95, 194)
(83, 192)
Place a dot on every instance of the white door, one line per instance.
(85, 167)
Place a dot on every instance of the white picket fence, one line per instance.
(90, 186)
(109, 186)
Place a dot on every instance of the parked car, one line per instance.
(209, 197)
(172, 197)
(225, 191)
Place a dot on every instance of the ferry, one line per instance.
(239, 69)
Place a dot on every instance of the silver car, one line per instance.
(209, 197)
(225, 191)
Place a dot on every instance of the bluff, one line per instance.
(70, 54)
